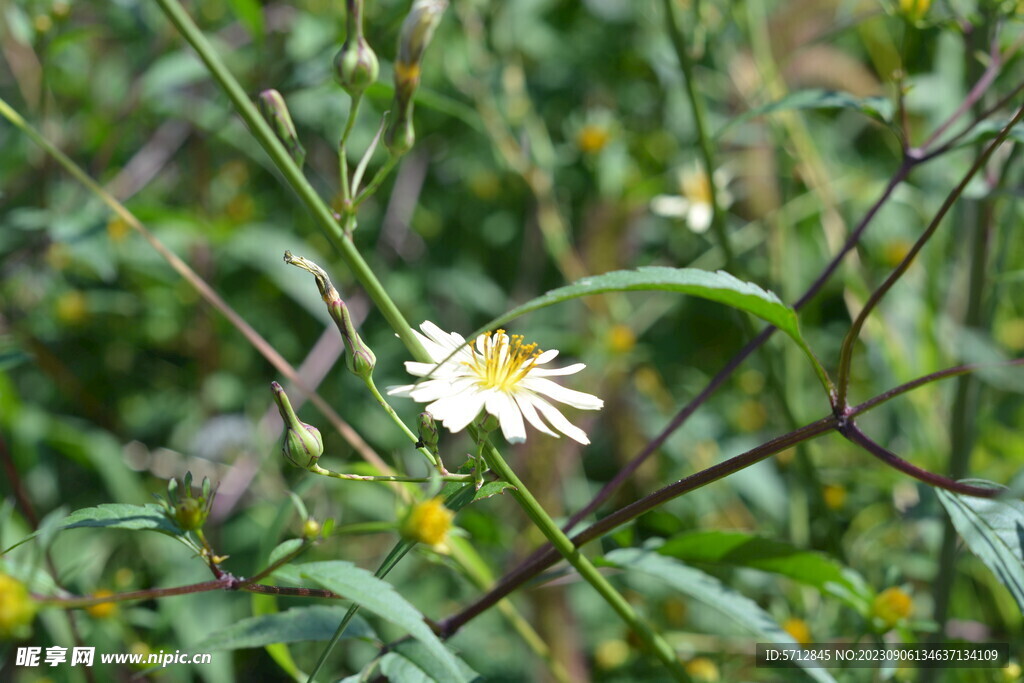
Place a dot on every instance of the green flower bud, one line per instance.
(303, 444)
(185, 510)
(428, 432)
(360, 360)
(400, 136)
(311, 529)
(190, 514)
(356, 66)
(275, 111)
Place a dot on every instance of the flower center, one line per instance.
(697, 187)
(504, 361)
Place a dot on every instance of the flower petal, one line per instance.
(509, 417)
(552, 372)
(525, 401)
(559, 422)
(576, 399)
(699, 217)
(670, 206)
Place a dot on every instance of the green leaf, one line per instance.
(410, 663)
(744, 550)
(877, 108)
(715, 286)
(295, 625)
(115, 516)
(149, 517)
(994, 531)
(989, 130)
(380, 597)
(741, 610)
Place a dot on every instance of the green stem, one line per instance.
(361, 477)
(700, 123)
(434, 460)
(293, 175)
(382, 173)
(651, 638)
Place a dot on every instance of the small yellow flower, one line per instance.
(72, 308)
(620, 339)
(702, 669)
(592, 138)
(103, 609)
(750, 416)
(891, 606)
(17, 609)
(797, 628)
(1010, 333)
(914, 10)
(611, 654)
(117, 229)
(427, 522)
(834, 496)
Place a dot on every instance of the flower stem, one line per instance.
(293, 175)
(651, 638)
(361, 477)
(434, 460)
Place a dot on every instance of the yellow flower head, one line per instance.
(17, 609)
(797, 628)
(103, 609)
(702, 669)
(914, 10)
(891, 606)
(427, 522)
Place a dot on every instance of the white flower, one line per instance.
(499, 374)
(693, 203)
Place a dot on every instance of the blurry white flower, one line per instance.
(693, 203)
(499, 374)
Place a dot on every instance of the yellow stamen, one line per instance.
(504, 361)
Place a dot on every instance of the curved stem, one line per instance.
(846, 352)
(651, 638)
(434, 460)
(853, 433)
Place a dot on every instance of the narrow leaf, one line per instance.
(877, 108)
(379, 597)
(741, 610)
(994, 531)
(291, 626)
(744, 550)
(716, 286)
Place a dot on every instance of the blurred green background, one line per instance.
(536, 120)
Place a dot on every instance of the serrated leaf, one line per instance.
(295, 625)
(994, 531)
(148, 517)
(115, 516)
(379, 597)
(717, 286)
(877, 108)
(744, 550)
(741, 610)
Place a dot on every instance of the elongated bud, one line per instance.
(355, 66)
(417, 30)
(360, 359)
(303, 444)
(275, 111)
(428, 432)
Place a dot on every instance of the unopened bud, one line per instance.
(428, 432)
(356, 66)
(303, 444)
(188, 512)
(275, 111)
(310, 529)
(417, 30)
(360, 360)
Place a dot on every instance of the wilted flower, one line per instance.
(498, 374)
(693, 203)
